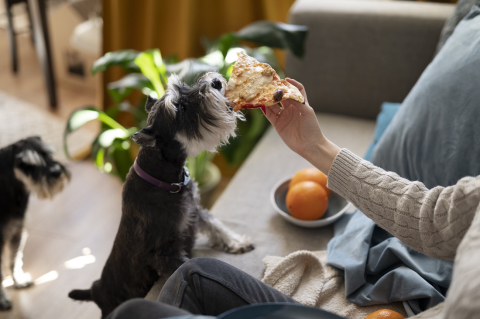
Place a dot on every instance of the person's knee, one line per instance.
(128, 309)
(195, 265)
(183, 276)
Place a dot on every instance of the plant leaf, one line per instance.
(225, 42)
(122, 159)
(198, 166)
(120, 89)
(132, 80)
(276, 35)
(107, 137)
(190, 69)
(150, 62)
(123, 58)
(84, 115)
(249, 132)
(214, 58)
(100, 158)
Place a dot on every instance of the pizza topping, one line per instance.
(253, 84)
(277, 96)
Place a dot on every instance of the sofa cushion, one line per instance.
(362, 53)
(435, 136)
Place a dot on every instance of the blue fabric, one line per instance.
(387, 112)
(435, 136)
(380, 269)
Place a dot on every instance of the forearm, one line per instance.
(322, 155)
(432, 222)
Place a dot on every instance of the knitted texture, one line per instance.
(306, 277)
(442, 222)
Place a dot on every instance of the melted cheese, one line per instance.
(255, 83)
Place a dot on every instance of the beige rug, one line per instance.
(19, 119)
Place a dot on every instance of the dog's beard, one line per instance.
(217, 123)
(43, 187)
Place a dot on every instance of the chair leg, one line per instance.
(11, 36)
(42, 44)
(32, 34)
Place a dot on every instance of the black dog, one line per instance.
(161, 211)
(26, 166)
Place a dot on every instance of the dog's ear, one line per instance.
(150, 103)
(172, 95)
(145, 137)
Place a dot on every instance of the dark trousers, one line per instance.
(203, 286)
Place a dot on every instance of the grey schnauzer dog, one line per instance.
(160, 208)
(26, 167)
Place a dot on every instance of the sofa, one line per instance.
(359, 53)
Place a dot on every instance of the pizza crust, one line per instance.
(255, 84)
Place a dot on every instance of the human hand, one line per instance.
(298, 127)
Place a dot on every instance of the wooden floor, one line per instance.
(83, 218)
(71, 231)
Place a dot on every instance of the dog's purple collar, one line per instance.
(170, 187)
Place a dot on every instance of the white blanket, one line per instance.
(306, 277)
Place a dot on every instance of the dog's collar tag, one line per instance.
(170, 187)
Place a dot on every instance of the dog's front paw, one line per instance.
(237, 244)
(22, 280)
(5, 303)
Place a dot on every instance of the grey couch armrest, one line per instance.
(360, 53)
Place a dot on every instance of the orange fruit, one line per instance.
(310, 174)
(307, 200)
(384, 314)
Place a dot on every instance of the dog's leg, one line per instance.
(21, 279)
(220, 236)
(5, 301)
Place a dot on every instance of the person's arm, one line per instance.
(432, 222)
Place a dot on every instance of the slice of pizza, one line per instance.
(254, 84)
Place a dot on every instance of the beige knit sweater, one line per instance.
(443, 223)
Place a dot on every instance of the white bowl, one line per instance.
(337, 206)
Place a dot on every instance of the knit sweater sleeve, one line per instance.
(431, 221)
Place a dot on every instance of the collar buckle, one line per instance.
(179, 188)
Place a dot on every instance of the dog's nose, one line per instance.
(55, 171)
(217, 84)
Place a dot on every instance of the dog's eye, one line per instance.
(217, 84)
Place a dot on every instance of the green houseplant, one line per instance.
(112, 150)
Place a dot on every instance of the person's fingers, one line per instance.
(275, 108)
(286, 103)
(302, 108)
(271, 116)
(299, 86)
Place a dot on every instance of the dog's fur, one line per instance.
(25, 166)
(157, 230)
